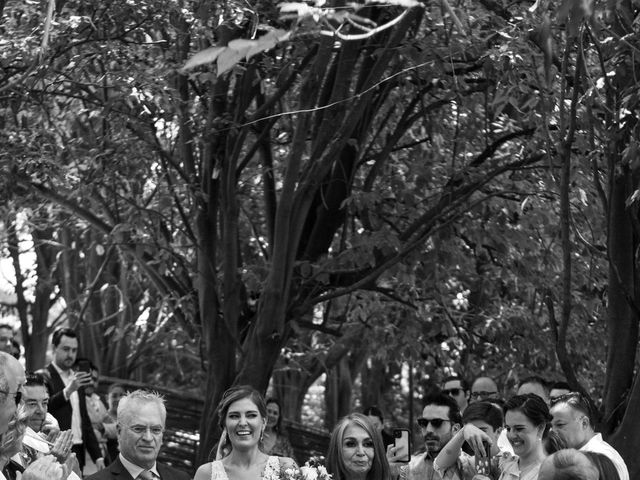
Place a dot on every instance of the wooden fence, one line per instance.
(181, 438)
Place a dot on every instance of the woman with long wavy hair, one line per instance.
(243, 418)
(356, 451)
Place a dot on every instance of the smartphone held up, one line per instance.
(83, 365)
(402, 443)
(483, 462)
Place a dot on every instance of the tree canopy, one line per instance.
(242, 192)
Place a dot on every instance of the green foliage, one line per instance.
(376, 183)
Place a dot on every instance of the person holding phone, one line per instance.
(439, 422)
(483, 422)
(69, 408)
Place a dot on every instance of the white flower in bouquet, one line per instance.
(312, 470)
(309, 473)
(291, 474)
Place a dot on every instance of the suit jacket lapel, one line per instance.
(162, 470)
(118, 470)
(56, 380)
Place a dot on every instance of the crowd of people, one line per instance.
(51, 419)
(541, 433)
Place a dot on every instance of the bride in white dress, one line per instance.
(243, 418)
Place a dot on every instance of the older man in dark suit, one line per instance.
(65, 404)
(140, 424)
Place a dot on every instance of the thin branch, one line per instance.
(372, 32)
(491, 149)
(94, 285)
(389, 292)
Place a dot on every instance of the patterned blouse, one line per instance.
(282, 447)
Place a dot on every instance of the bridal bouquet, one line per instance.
(312, 470)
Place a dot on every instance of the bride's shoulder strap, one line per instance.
(217, 471)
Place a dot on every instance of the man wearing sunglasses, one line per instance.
(458, 389)
(440, 420)
(573, 420)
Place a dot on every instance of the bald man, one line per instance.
(483, 388)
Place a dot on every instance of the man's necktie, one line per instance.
(145, 475)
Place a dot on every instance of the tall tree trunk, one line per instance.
(622, 327)
(38, 338)
(117, 363)
(69, 275)
(14, 251)
(622, 245)
(219, 335)
(338, 393)
(375, 383)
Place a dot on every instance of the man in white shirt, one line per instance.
(65, 404)
(573, 422)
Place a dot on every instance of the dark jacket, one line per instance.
(116, 471)
(61, 409)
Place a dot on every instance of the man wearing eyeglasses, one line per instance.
(439, 422)
(483, 388)
(458, 389)
(141, 421)
(573, 420)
